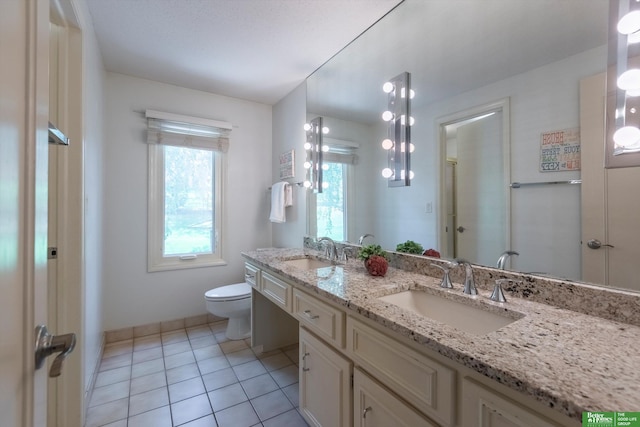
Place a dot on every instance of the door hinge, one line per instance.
(52, 252)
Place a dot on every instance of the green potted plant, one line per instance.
(375, 260)
(410, 247)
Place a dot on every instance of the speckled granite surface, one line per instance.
(567, 360)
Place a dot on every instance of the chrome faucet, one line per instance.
(502, 261)
(446, 281)
(330, 250)
(364, 236)
(469, 282)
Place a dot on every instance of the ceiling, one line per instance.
(258, 50)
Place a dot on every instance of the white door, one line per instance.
(610, 200)
(480, 194)
(23, 207)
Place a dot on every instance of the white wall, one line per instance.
(131, 295)
(289, 116)
(93, 96)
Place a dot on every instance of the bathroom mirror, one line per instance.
(462, 55)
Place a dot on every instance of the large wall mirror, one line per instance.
(520, 60)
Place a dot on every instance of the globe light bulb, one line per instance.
(627, 136)
(387, 115)
(387, 87)
(307, 146)
(412, 148)
(412, 121)
(307, 184)
(629, 80)
(412, 94)
(325, 130)
(629, 23)
(387, 144)
(387, 173)
(307, 165)
(325, 148)
(325, 185)
(411, 175)
(325, 167)
(307, 127)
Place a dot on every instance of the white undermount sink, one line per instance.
(308, 263)
(459, 315)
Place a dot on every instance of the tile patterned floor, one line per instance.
(195, 378)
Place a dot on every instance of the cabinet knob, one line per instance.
(364, 413)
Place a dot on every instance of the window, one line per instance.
(185, 199)
(331, 209)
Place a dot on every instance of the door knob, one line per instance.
(597, 244)
(461, 229)
(47, 344)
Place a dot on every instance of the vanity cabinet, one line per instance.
(484, 408)
(252, 276)
(423, 382)
(277, 291)
(325, 383)
(375, 406)
(322, 319)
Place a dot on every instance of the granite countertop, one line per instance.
(568, 361)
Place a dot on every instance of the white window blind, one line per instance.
(185, 131)
(340, 151)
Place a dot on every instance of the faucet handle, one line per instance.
(446, 281)
(497, 295)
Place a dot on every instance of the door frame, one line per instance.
(502, 105)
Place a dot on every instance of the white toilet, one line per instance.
(233, 302)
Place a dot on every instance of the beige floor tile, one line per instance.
(199, 331)
(202, 341)
(208, 421)
(185, 389)
(109, 393)
(181, 373)
(175, 348)
(146, 343)
(218, 327)
(293, 393)
(146, 368)
(213, 364)
(115, 362)
(241, 415)
(285, 376)
(233, 346)
(276, 361)
(148, 400)
(219, 379)
(113, 376)
(190, 409)
(207, 352)
(107, 413)
(121, 423)
(148, 382)
(160, 417)
(240, 357)
(173, 337)
(289, 419)
(172, 325)
(148, 354)
(249, 370)
(257, 386)
(179, 359)
(118, 348)
(226, 397)
(271, 404)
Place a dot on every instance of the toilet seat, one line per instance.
(233, 292)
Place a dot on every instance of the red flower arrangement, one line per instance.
(376, 265)
(432, 253)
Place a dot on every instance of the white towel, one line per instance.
(288, 196)
(278, 199)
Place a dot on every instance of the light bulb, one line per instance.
(387, 144)
(629, 80)
(325, 130)
(412, 94)
(325, 167)
(629, 23)
(402, 174)
(387, 87)
(325, 148)
(627, 136)
(307, 127)
(307, 146)
(403, 92)
(307, 184)
(325, 185)
(387, 115)
(633, 93)
(307, 165)
(410, 174)
(387, 173)
(402, 147)
(411, 121)
(412, 148)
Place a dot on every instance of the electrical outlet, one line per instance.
(429, 207)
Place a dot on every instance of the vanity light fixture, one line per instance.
(398, 142)
(314, 148)
(623, 85)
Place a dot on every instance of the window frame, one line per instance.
(312, 206)
(156, 261)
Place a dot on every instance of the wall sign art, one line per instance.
(560, 150)
(287, 169)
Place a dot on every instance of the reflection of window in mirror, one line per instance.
(331, 208)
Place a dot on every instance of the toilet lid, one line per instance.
(229, 292)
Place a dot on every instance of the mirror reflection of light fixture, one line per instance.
(398, 130)
(623, 85)
(314, 148)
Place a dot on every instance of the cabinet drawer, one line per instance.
(327, 322)
(486, 408)
(423, 382)
(374, 406)
(252, 276)
(277, 291)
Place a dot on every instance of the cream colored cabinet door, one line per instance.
(481, 407)
(325, 383)
(374, 406)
